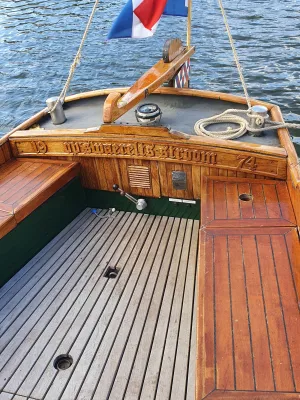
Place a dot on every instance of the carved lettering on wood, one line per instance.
(160, 151)
(141, 150)
(247, 163)
(39, 147)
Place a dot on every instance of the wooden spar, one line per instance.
(189, 25)
(115, 105)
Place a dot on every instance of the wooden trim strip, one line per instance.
(246, 180)
(272, 230)
(205, 364)
(175, 92)
(232, 395)
(7, 223)
(132, 133)
(288, 145)
(249, 222)
(26, 124)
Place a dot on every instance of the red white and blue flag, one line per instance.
(183, 75)
(139, 18)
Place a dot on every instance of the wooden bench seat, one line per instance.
(26, 183)
(7, 223)
(248, 325)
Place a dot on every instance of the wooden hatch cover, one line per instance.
(239, 202)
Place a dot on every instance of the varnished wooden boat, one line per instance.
(115, 295)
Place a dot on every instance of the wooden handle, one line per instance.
(109, 105)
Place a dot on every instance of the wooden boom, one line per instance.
(116, 105)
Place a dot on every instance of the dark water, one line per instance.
(39, 38)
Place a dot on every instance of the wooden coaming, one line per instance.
(294, 190)
(161, 151)
(5, 152)
(293, 166)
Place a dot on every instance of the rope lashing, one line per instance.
(77, 58)
(229, 116)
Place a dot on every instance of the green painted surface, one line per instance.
(161, 206)
(36, 230)
(43, 224)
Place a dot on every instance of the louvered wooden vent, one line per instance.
(139, 176)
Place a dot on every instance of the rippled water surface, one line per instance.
(39, 38)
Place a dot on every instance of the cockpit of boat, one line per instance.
(148, 249)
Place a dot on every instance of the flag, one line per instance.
(139, 18)
(183, 75)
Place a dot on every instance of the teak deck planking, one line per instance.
(130, 337)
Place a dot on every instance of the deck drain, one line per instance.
(111, 272)
(246, 197)
(63, 362)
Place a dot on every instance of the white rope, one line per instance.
(230, 133)
(244, 126)
(229, 116)
(76, 61)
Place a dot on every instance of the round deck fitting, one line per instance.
(63, 362)
(246, 197)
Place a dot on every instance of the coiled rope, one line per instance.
(77, 58)
(229, 115)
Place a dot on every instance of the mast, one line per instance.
(189, 23)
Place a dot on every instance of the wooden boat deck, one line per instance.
(179, 112)
(132, 337)
(248, 310)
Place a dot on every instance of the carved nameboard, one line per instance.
(254, 163)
